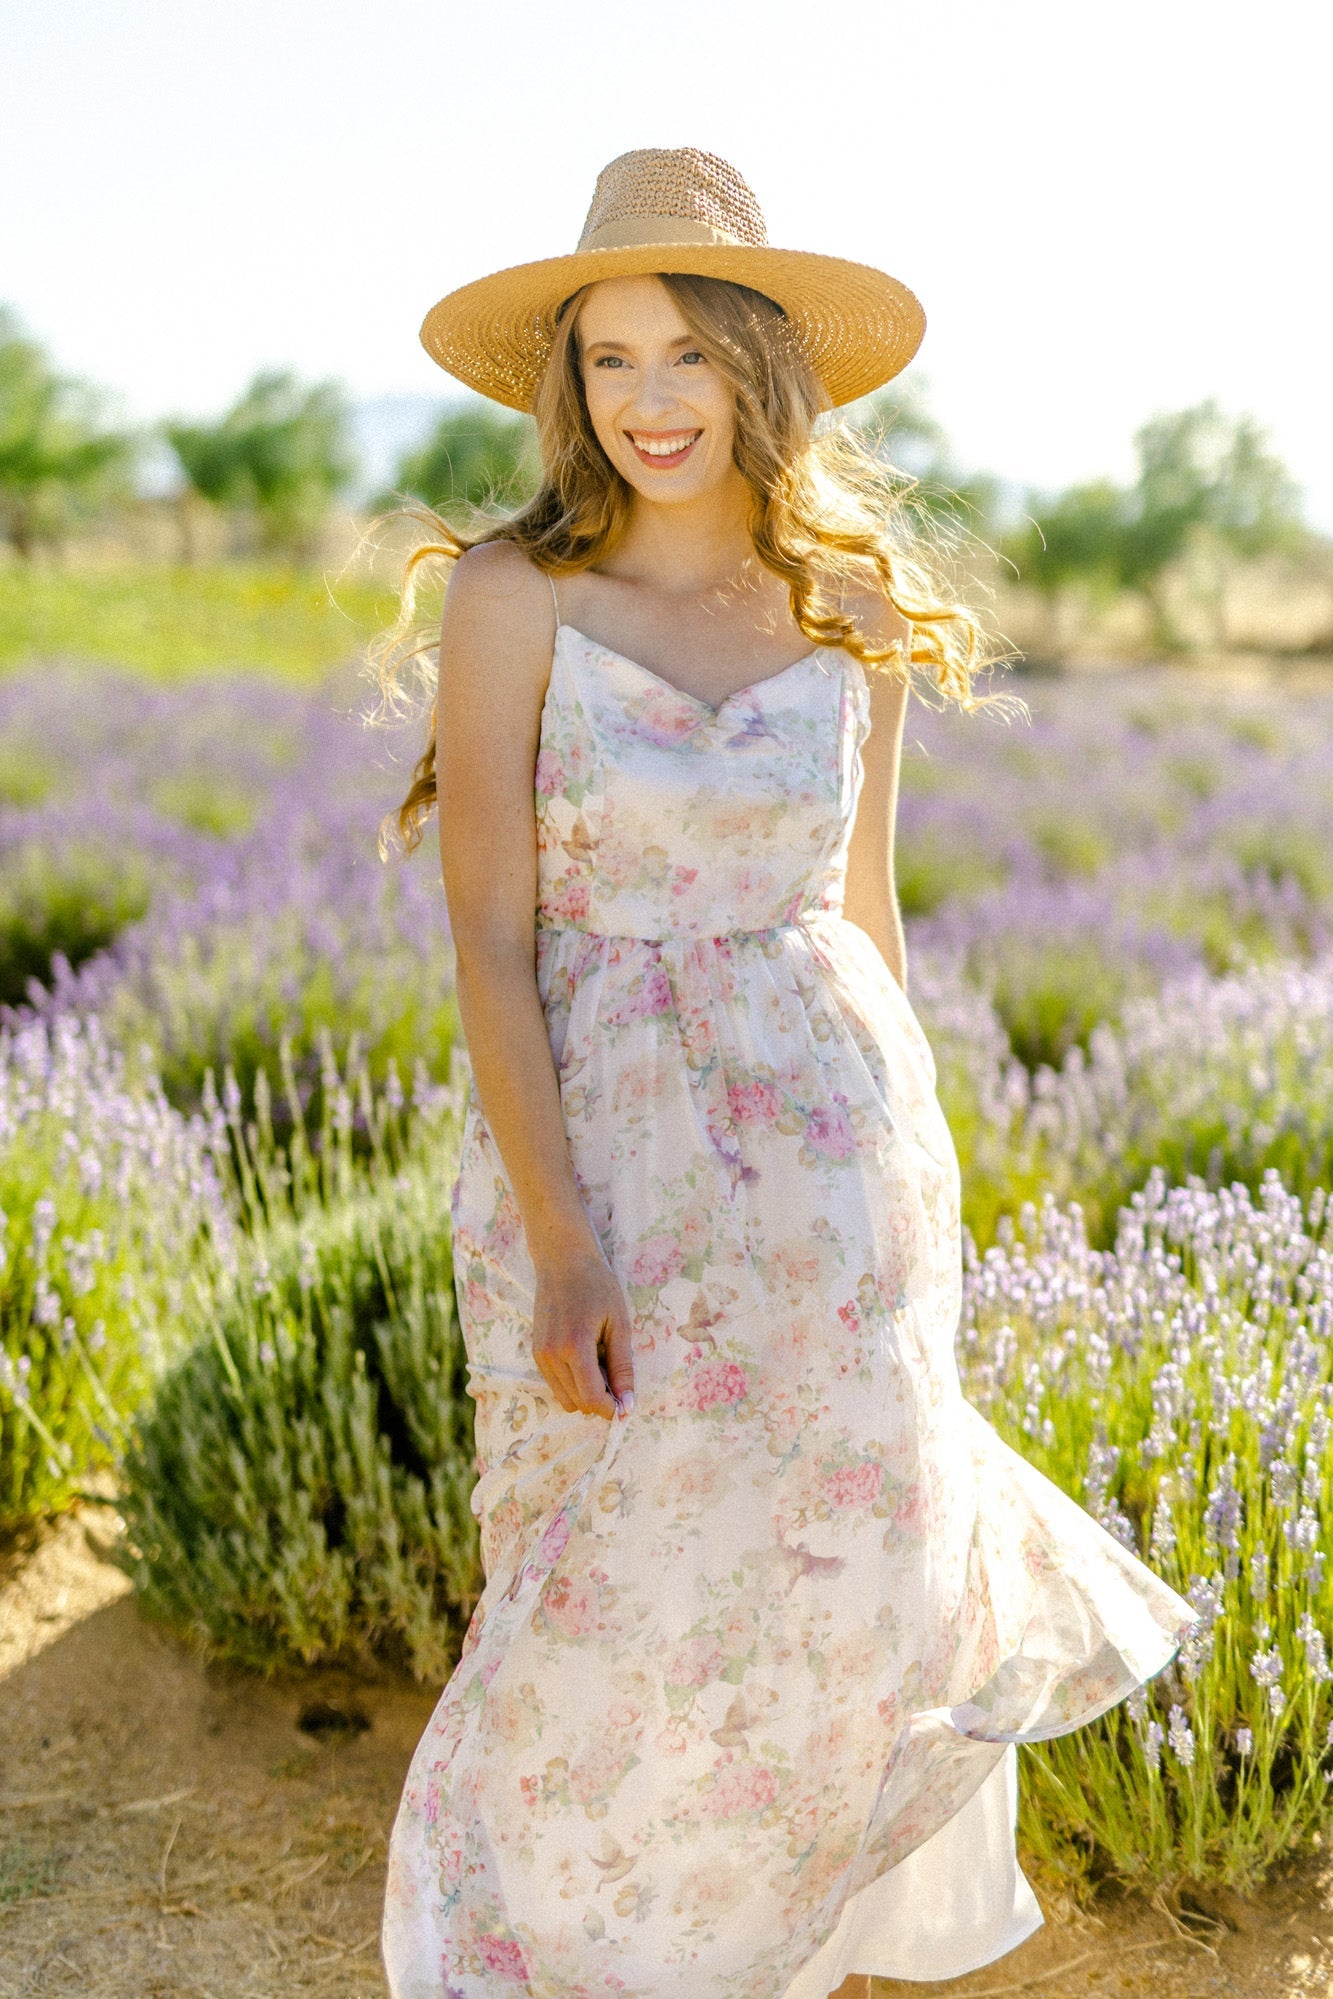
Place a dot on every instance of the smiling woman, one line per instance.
(768, 1605)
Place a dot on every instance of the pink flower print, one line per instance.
(716, 1384)
(568, 900)
(654, 994)
(694, 1232)
(754, 1103)
(649, 996)
(666, 717)
(554, 1541)
(741, 1788)
(910, 1513)
(683, 879)
(571, 1606)
(504, 1958)
(854, 1485)
(431, 1807)
(696, 1662)
(550, 776)
(597, 1772)
(655, 1262)
(850, 1315)
(828, 1129)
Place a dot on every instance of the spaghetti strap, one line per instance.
(554, 599)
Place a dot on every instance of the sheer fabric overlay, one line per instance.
(737, 1711)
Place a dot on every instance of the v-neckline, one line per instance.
(683, 693)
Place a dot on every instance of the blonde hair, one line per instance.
(827, 512)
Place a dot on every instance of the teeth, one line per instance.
(657, 447)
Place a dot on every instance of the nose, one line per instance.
(656, 403)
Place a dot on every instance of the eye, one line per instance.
(694, 355)
(609, 361)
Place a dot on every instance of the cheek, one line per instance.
(600, 394)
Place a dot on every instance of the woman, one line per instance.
(768, 1604)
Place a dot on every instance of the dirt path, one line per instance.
(169, 1832)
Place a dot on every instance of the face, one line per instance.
(662, 413)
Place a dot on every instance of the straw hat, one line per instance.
(677, 210)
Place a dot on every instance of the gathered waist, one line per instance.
(809, 919)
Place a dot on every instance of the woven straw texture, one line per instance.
(677, 210)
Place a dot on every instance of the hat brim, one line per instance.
(858, 326)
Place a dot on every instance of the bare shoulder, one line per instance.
(881, 624)
(875, 616)
(498, 605)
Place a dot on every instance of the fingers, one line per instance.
(619, 1349)
(574, 1376)
(582, 1342)
(574, 1373)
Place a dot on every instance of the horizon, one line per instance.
(1092, 241)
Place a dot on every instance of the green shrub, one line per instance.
(299, 1489)
(1223, 1079)
(107, 1206)
(1180, 1386)
(76, 903)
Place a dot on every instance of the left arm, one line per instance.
(871, 900)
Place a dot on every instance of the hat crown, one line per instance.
(671, 195)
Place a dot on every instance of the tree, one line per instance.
(56, 459)
(279, 455)
(1205, 481)
(897, 423)
(476, 455)
(1079, 539)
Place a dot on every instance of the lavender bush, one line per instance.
(1178, 1385)
(1221, 1078)
(109, 1206)
(299, 1488)
(237, 819)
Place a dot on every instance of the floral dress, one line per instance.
(736, 1713)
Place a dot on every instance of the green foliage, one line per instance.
(931, 870)
(1077, 538)
(478, 455)
(1202, 476)
(1050, 1000)
(299, 1490)
(1180, 1390)
(104, 1213)
(56, 457)
(230, 995)
(173, 623)
(75, 902)
(279, 455)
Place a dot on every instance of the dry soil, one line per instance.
(170, 1831)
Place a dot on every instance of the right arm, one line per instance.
(495, 652)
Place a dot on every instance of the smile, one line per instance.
(671, 448)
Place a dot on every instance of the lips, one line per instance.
(665, 449)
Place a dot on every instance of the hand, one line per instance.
(581, 1336)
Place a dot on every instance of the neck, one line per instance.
(689, 549)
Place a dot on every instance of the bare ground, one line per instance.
(168, 1830)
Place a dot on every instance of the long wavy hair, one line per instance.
(827, 511)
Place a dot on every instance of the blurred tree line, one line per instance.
(1206, 487)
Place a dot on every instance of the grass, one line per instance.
(173, 622)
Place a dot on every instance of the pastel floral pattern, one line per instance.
(742, 1653)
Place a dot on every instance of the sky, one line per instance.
(1106, 211)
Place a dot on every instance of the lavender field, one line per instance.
(228, 1105)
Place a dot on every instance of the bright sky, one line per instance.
(1107, 211)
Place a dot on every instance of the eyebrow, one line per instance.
(620, 347)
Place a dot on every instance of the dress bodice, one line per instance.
(661, 815)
